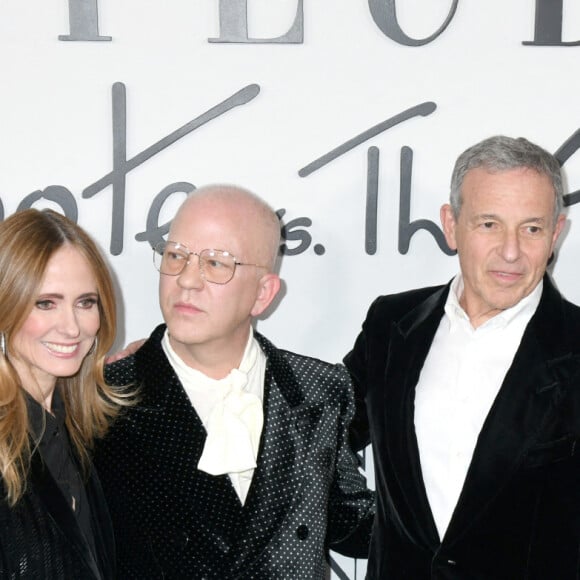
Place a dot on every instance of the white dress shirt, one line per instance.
(231, 412)
(459, 382)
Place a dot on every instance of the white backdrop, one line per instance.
(474, 79)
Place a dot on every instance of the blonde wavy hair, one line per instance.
(28, 239)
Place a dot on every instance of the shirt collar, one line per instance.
(39, 418)
(190, 376)
(524, 309)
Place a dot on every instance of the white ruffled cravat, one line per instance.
(233, 428)
(231, 412)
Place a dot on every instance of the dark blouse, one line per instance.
(50, 432)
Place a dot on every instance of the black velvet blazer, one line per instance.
(173, 521)
(41, 540)
(518, 515)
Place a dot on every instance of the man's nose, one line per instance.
(191, 276)
(510, 246)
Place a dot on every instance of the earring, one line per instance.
(3, 343)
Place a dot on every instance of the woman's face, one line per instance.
(61, 327)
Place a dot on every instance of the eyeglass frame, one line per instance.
(188, 252)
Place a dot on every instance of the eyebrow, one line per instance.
(493, 216)
(57, 296)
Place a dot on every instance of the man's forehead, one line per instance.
(521, 172)
(484, 180)
(221, 226)
(202, 211)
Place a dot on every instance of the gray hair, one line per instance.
(500, 153)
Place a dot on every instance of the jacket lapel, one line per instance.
(411, 340)
(289, 427)
(103, 528)
(168, 405)
(530, 395)
(59, 511)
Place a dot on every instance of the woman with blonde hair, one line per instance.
(57, 322)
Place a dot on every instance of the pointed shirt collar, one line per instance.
(523, 310)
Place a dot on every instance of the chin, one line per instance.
(64, 371)
(183, 338)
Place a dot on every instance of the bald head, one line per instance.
(244, 211)
(209, 321)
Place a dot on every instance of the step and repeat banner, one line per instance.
(347, 116)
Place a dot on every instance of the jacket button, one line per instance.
(302, 532)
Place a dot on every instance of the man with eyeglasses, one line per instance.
(235, 461)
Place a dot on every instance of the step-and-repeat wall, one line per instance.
(346, 116)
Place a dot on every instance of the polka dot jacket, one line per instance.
(174, 522)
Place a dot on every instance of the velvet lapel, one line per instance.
(290, 425)
(411, 340)
(530, 395)
(60, 512)
(102, 527)
(167, 404)
(166, 401)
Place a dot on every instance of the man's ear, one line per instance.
(268, 287)
(448, 223)
(560, 223)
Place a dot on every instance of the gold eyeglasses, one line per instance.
(216, 266)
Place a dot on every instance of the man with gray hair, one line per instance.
(470, 392)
